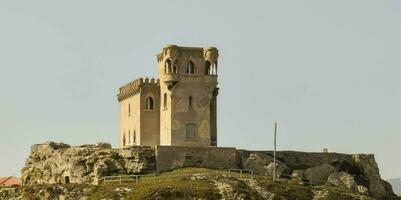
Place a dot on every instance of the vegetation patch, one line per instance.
(288, 190)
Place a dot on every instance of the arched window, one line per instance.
(167, 66)
(67, 179)
(124, 140)
(190, 101)
(207, 68)
(165, 101)
(149, 103)
(175, 67)
(191, 68)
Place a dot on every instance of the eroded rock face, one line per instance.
(378, 187)
(51, 163)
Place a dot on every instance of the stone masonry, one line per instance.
(179, 108)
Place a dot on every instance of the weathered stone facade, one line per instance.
(179, 108)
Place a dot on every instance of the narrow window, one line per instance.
(207, 68)
(190, 101)
(129, 110)
(191, 68)
(149, 103)
(134, 137)
(124, 140)
(165, 100)
(129, 137)
(167, 66)
(191, 131)
(175, 67)
(214, 68)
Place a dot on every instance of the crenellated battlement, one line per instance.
(134, 87)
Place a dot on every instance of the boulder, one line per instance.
(318, 175)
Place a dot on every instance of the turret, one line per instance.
(168, 65)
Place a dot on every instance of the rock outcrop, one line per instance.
(357, 171)
(51, 163)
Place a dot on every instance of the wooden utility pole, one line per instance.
(274, 153)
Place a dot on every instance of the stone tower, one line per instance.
(178, 109)
(139, 113)
(188, 90)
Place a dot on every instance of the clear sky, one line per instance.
(327, 71)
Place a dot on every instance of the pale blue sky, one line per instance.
(327, 71)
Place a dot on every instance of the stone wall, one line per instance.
(130, 121)
(150, 119)
(172, 157)
(138, 125)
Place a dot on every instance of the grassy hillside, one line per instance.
(188, 183)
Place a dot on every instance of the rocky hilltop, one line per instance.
(58, 163)
(51, 163)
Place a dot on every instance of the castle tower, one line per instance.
(139, 113)
(188, 96)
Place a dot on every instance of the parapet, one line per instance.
(134, 87)
(174, 51)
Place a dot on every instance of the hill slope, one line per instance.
(188, 183)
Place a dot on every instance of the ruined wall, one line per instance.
(172, 157)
